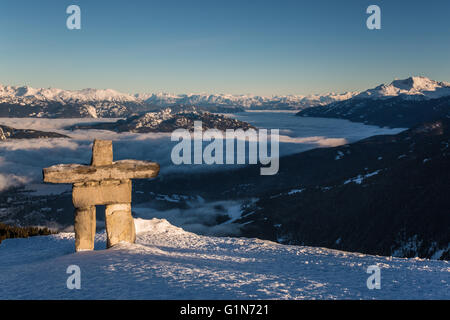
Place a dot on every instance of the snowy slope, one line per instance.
(410, 88)
(169, 263)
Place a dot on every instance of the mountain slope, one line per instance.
(169, 263)
(377, 194)
(386, 195)
(410, 89)
(168, 120)
(13, 133)
(403, 103)
(393, 112)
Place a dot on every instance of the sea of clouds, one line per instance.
(22, 161)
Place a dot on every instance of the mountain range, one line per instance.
(24, 101)
(245, 101)
(97, 103)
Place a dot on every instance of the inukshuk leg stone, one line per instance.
(119, 224)
(84, 228)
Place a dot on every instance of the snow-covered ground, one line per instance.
(169, 263)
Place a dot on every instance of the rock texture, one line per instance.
(101, 193)
(84, 228)
(119, 170)
(102, 153)
(119, 224)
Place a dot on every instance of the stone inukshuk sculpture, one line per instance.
(104, 182)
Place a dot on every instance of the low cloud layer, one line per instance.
(22, 161)
(199, 217)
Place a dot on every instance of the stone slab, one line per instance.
(119, 224)
(101, 193)
(84, 228)
(118, 170)
(102, 153)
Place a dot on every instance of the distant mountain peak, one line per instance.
(416, 87)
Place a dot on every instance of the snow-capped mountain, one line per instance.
(103, 103)
(57, 103)
(402, 103)
(246, 101)
(410, 88)
(27, 94)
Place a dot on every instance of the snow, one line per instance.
(410, 88)
(26, 95)
(294, 191)
(360, 178)
(169, 263)
(247, 101)
(339, 155)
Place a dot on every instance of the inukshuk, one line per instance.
(104, 182)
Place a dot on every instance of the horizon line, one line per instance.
(212, 93)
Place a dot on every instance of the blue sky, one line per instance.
(259, 47)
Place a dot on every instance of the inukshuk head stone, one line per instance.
(104, 182)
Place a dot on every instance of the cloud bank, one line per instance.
(22, 161)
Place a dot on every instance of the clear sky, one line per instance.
(243, 46)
